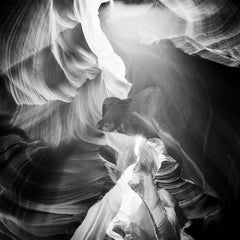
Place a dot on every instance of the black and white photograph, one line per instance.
(119, 119)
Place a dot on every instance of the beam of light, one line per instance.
(61, 66)
(124, 20)
(196, 28)
(112, 5)
(139, 141)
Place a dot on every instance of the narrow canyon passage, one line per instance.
(119, 119)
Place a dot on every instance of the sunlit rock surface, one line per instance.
(172, 68)
(209, 29)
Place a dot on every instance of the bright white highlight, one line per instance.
(139, 141)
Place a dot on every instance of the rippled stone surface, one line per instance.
(45, 191)
(208, 106)
(209, 29)
(53, 87)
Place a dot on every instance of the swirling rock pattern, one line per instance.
(45, 192)
(55, 73)
(209, 29)
(194, 203)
